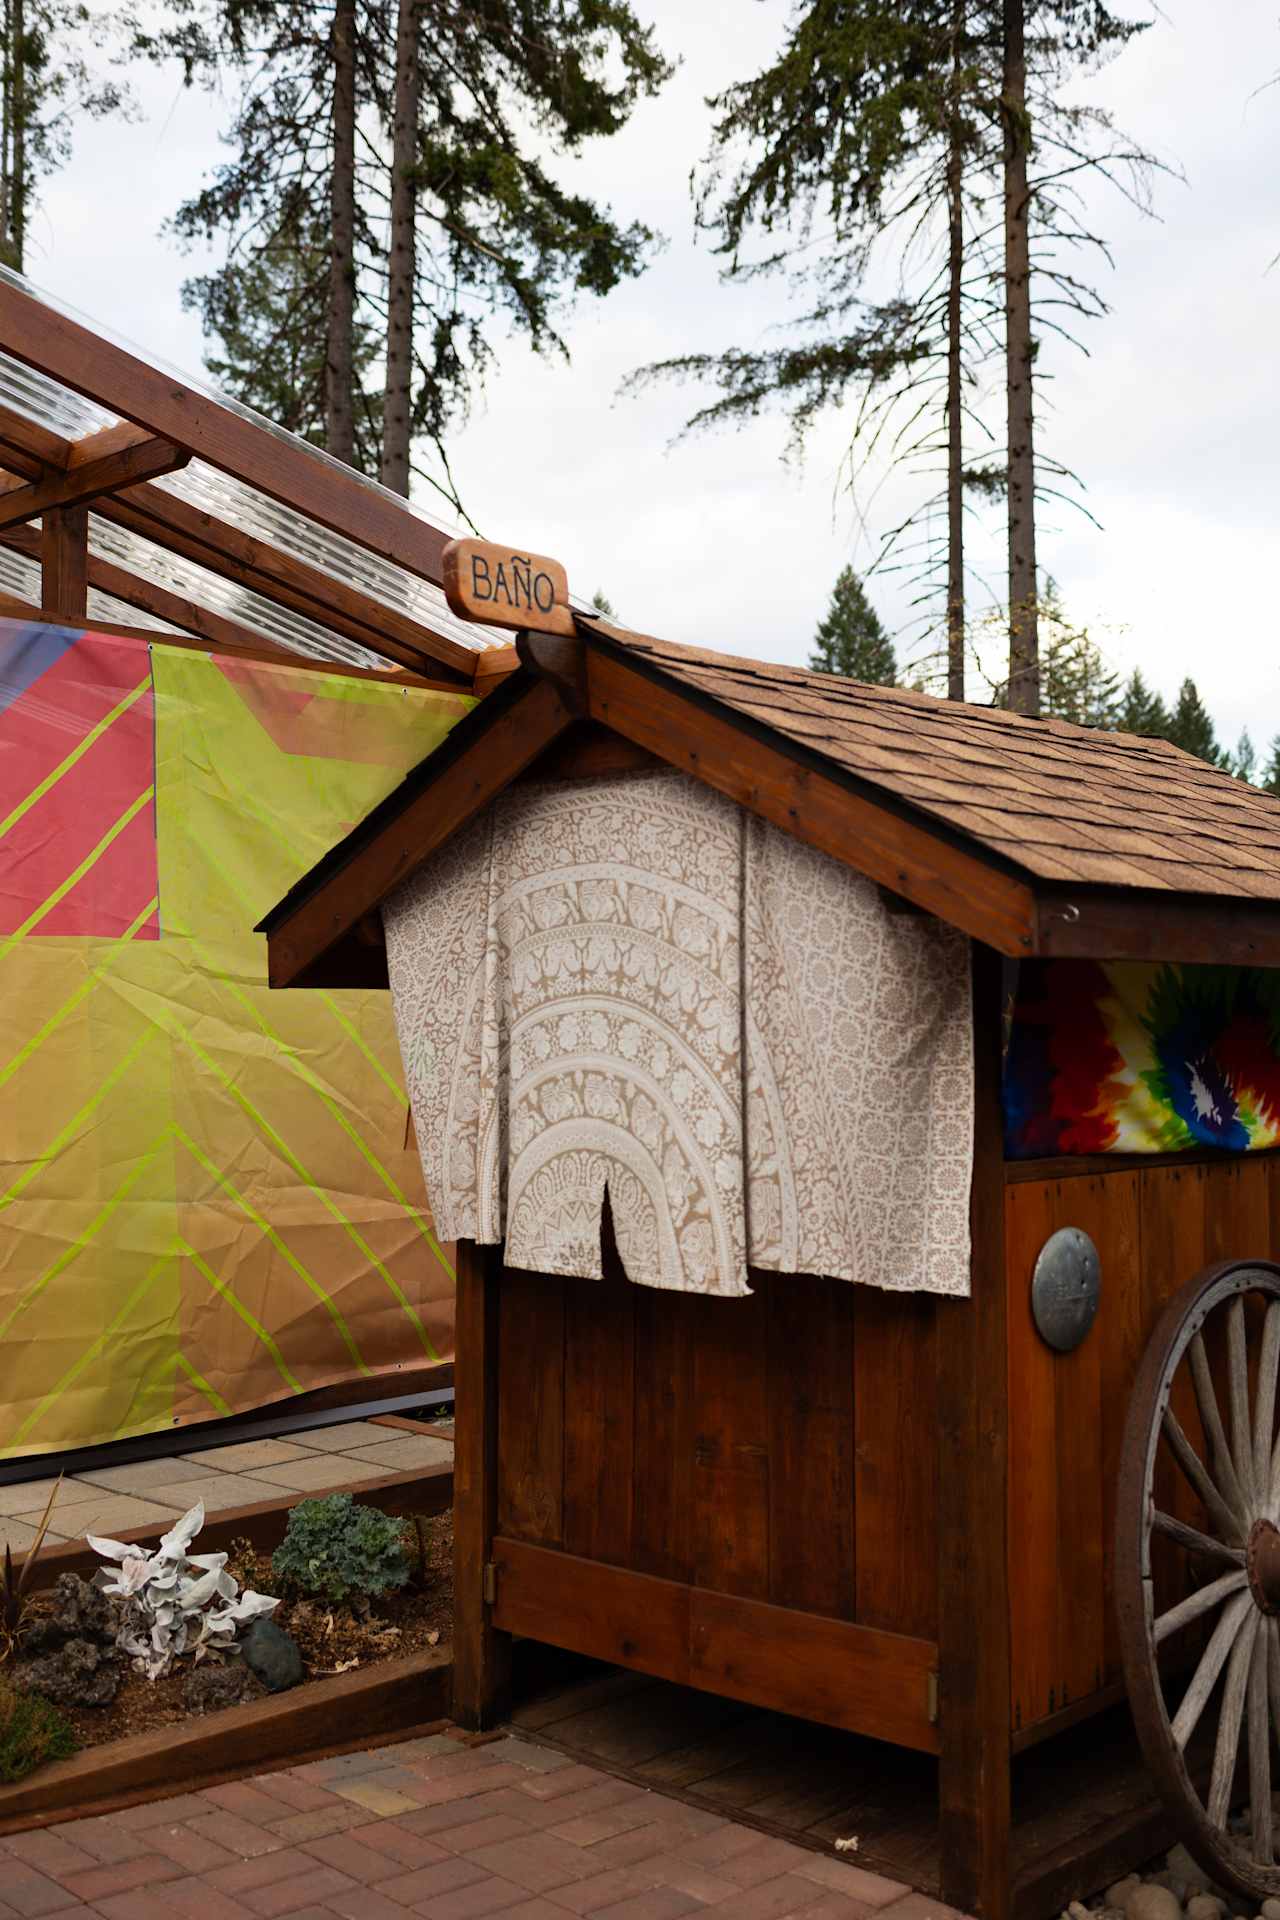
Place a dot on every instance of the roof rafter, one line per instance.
(88, 479)
(277, 464)
(162, 517)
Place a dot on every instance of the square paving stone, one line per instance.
(347, 1433)
(140, 1477)
(246, 1456)
(24, 1496)
(218, 1491)
(103, 1512)
(321, 1471)
(405, 1451)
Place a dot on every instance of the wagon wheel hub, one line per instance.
(1262, 1562)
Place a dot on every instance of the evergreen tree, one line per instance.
(419, 137)
(1141, 710)
(46, 82)
(1191, 728)
(1269, 779)
(1244, 761)
(851, 640)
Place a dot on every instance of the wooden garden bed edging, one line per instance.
(426, 1490)
(392, 1697)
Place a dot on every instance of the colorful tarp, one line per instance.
(1124, 1058)
(209, 1197)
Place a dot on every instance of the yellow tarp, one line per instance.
(208, 1200)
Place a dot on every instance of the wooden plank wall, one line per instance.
(780, 1448)
(1155, 1228)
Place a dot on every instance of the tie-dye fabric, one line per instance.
(1124, 1058)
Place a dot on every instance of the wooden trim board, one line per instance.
(428, 1490)
(809, 1665)
(351, 1709)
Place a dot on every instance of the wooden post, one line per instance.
(481, 1655)
(64, 563)
(973, 1612)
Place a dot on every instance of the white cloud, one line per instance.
(1173, 420)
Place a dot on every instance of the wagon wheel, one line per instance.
(1228, 1563)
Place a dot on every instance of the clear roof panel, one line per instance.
(47, 403)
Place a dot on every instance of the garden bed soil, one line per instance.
(412, 1621)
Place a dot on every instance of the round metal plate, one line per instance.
(1065, 1288)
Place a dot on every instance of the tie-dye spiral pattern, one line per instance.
(1127, 1058)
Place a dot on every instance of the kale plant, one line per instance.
(335, 1550)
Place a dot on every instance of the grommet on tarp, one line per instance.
(1065, 1288)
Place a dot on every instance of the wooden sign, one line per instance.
(485, 581)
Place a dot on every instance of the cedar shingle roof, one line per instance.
(1064, 803)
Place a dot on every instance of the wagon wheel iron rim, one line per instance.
(1234, 1473)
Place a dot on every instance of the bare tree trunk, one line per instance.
(340, 353)
(955, 414)
(397, 401)
(1024, 636)
(18, 104)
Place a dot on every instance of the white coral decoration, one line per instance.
(178, 1602)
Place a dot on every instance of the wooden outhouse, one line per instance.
(892, 1511)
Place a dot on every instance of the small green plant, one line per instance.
(13, 1586)
(338, 1551)
(32, 1732)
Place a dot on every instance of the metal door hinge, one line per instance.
(489, 1587)
(931, 1698)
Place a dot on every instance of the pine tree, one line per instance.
(47, 81)
(1269, 780)
(851, 640)
(451, 214)
(1141, 710)
(1191, 728)
(1244, 761)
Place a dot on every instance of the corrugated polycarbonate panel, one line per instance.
(276, 625)
(47, 403)
(60, 409)
(251, 512)
(20, 576)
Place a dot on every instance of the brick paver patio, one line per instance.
(433, 1827)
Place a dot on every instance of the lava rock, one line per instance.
(1151, 1902)
(77, 1674)
(208, 1689)
(274, 1656)
(77, 1611)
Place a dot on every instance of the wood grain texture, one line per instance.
(973, 1437)
(809, 1356)
(277, 464)
(611, 1613)
(482, 1655)
(481, 757)
(89, 479)
(531, 1385)
(895, 1461)
(731, 1456)
(366, 1706)
(831, 1670)
(504, 587)
(64, 564)
(813, 806)
(662, 1509)
(1121, 923)
(599, 1378)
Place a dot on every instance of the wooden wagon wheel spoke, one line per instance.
(1238, 1400)
(1212, 1661)
(1207, 1400)
(1264, 1414)
(1201, 1601)
(1202, 1742)
(1227, 1749)
(1193, 1540)
(1227, 1522)
(1260, 1748)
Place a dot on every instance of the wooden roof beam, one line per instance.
(88, 479)
(277, 464)
(155, 514)
(482, 756)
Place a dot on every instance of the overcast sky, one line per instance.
(1173, 420)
